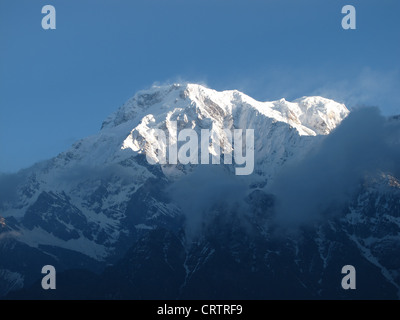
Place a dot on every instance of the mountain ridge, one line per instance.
(86, 207)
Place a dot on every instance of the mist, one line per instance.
(366, 143)
(197, 193)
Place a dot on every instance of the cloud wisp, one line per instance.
(365, 143)
(197, 193)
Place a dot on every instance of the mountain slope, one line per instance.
(102, 203)
(85, 189)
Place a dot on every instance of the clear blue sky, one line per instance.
(57, 86)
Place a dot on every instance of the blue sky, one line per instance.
(57, 86)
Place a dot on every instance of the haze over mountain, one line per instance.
(324, 193)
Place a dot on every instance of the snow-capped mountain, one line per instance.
(101, 203)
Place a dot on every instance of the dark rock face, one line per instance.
(52, 213)
(246, 256)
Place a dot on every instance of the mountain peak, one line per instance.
(84, 207)
(278, 125)
(141, 102)
(309, 115)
